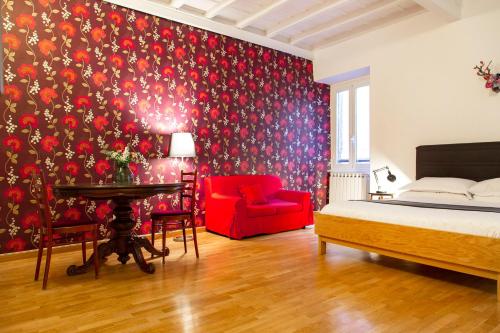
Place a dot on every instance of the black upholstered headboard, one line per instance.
(476, 161)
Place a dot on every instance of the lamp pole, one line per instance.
(182, 145)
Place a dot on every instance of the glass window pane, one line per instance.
(363, 124)
(342, 113)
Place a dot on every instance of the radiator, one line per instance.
(348, 186)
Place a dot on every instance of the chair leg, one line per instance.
(152, 235)
(184, 235)
(163, 240)
(195, 239)
(47, 264)
(84, 251)
(96, 254)
(39, 257)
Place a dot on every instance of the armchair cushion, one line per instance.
(283, 206)
(253, 194)
(260, 210)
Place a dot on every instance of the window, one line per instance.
(351, 126)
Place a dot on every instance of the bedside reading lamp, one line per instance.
(182, 145)
(390, 177)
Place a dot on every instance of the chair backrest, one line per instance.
(190, 178)
(42, 198)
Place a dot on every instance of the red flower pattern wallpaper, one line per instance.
(86, 76)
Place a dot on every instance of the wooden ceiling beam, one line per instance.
(345, 20)
(450, 10)
(411, 11)
(264, 11)
(304, 16)
(215, 9)
(177, 3)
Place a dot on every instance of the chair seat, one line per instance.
(62, 227)
(158, 214)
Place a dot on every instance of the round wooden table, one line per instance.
(122, 242)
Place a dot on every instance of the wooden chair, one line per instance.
(51, 231)
(175, 220)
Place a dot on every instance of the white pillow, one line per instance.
(479, 199)
(487, 188)
(432, 197)
(441, 184)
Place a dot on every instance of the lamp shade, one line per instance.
(182, 145)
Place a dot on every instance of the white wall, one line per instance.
(423, 86)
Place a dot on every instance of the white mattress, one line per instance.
(465, 222)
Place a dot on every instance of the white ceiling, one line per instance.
(294, 26)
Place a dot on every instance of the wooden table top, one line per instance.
(133, 191)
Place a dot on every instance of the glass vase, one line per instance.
(122, 175)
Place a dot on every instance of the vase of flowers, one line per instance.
(492, 80)
(122, 159)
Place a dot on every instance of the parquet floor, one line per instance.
(273, 283)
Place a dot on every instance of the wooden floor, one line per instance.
(274, 283)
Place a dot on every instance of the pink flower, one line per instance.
(49, 142)
(244, 166)
(15, 245)
(102, 166)
(215, 148)
(71, 168)
(73, 214)
(16, 194)
(102, 210)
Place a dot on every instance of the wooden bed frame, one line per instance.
(469, 254)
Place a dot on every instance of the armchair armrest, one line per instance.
(301, 197)
(221, 199)
(294, 196)
(223, 212)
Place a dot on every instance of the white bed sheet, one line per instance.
(465, 222)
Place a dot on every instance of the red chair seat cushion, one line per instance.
(253, 194)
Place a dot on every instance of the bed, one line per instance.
(455, 246)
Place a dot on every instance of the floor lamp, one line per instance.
(182, 146)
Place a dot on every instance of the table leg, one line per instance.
(103, 250)
(122, 226)
(148, 246)
(135, 246)
(122, 243)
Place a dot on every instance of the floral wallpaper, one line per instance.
(86, 76)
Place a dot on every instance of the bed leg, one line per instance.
(321, 246)
(498, 288)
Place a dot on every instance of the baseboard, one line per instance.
(77, 247)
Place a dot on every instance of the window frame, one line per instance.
(351, 86)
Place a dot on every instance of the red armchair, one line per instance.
(227, 212)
